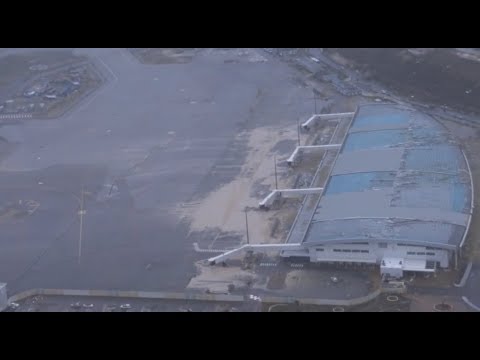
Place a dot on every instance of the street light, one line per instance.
(246, 226)
(81, 213)
(275, 166)
(315, 93)
(254, 303)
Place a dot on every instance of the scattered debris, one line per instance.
(125, 306)
(39, 67)
(109, 308)
(14, 305)
(55, 87)
(184, 309)
(76, 306)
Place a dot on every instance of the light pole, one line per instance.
(275, 164)
(315, 100)
(81, 213)
(298, 131)
(246, 225)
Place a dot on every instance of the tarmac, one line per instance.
(146, 142)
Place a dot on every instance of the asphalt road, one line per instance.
(472, 289)
(155, 132)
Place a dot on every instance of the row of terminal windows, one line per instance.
(348, 250)
(384, 245)
(420, 253)
(345, 250)
(428, 248)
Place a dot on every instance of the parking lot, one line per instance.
(100, 304)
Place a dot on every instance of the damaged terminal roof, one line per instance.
(398, 177)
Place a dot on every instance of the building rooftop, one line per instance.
(400, 177)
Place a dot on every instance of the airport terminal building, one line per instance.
(398, 195)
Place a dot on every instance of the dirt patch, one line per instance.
(224, 208)
(235, 55)
(381, 304)
(44, 84)
(16, 210)
(221, 280)
(164, 55)
(438, 76)
(5, 147)
(469, 138)
(156, 56)
(16, 69)
(277, 280)
(426, 303)
(285, 146)
(340, 59)
(439, 279)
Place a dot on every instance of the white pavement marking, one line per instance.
(32, 206)
(109, 70)
(465, 276)
(469, 303)
(129, 57)
(96, 92)
(296, 265)
(197, 249)
(93, 96)
(16, 116)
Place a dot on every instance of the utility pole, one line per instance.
(315, 101)
(298, 131)
(111, 188)
(275, 164)
(81, 213)
(246, 225)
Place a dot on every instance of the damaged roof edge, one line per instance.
(445, 196)
(340, 241)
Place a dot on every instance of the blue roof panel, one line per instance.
(359, 182)
(424, 194)
(369, 140)
(387, 116)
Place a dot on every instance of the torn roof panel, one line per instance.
(368, 160)
(380, 116)
(377, 139)
(360, 182)
(383, 229)
(415, 172)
